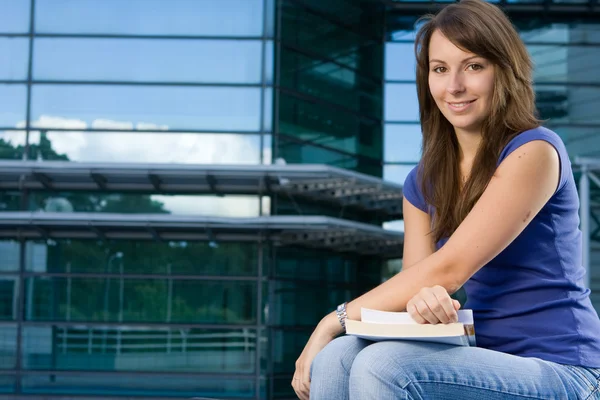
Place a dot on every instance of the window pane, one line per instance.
(10, 254)
(215, 206)
(147, 60)
(183, 148)
(151, 17)
(140, 300)
(558, 63)
(14, 16)
(301, 303)
(7, 383)
(142, 107)
(139, 348)
(400, 61)
(402, 142)
(12, 144)
(401, 102)
(138, 257)
(308, 264)
(8, 354)
(167, 385)
(580, 141)
(287, 345)
(267, 149)
(397, 173)
(269, 62)
(331, 82)
(8, 298)
(14, 53)
(13, 100)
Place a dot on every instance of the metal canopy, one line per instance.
(313, 182)
(312, 231)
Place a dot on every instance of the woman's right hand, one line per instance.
(433, 305)
(324, 333)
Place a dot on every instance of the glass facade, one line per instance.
(236, 82)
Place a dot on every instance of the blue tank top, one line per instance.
(530, 300)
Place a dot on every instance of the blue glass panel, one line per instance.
(8, 345)
(139, 348)
(14, 53)
(12, 146)
(558, 63)
(269, 63)
(168, 258)
(7, 383)
(14, 16)
(13, 100)
(580, 141)
(148, 60)
(184, 148)
(142, 107)
(402, 142)
(140, 300)
(396, 173)
(401, 102)
(10, 254)
(268, 110)
(270, 10)
(400, 61)
(8, 297)
(267, 156)
(160, 385)
(151, 17)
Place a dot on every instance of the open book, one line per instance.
(384, 325)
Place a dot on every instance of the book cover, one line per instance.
(378, 325)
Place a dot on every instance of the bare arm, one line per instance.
(418, 243)
(522, 184)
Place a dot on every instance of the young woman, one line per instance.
(493, 207)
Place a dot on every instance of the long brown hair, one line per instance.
(483, 29)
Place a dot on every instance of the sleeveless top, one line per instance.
(530, 300)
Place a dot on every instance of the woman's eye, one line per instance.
(475, 67)
(439, 70)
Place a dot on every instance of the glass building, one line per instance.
(188, 186)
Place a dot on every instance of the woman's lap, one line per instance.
(420, 370)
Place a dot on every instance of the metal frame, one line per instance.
(559, 12)
(313, 182)
(306, 231)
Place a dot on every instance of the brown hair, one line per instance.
(483, 29)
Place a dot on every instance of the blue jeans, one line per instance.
(357, 369)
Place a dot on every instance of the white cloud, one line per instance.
(110, 124)
(397, 225)
(235, 206)
(158, 146)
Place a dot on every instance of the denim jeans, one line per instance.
(357, 369)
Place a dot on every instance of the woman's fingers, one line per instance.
(414, 313)
(446, 311)
(301, 381)
(433, 305)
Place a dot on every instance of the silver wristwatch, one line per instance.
(342, 315)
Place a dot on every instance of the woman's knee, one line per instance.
(383, 360)
(338, 356)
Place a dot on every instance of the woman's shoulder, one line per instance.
(538, 133)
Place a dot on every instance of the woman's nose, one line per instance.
(455, 83)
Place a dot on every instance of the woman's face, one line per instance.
(461, 84)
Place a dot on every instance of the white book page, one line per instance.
(387, 317)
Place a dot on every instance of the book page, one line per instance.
(388, 317)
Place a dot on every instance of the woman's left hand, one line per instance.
(433, 305)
